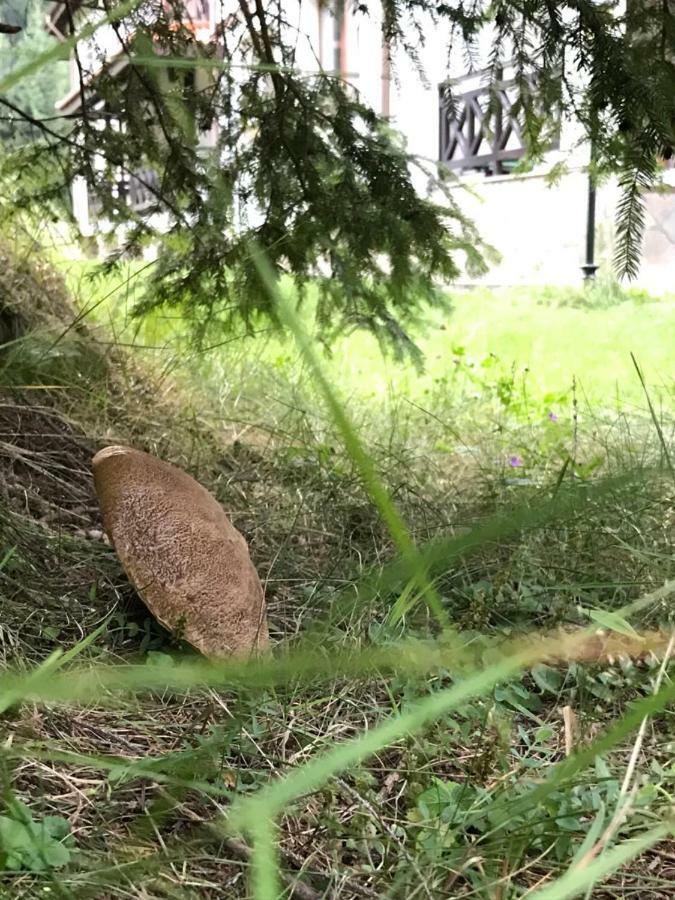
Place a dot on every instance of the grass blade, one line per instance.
(413, 561)
(576, 880)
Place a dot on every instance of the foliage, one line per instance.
(37, 94)
(303, 169)
(30, 845)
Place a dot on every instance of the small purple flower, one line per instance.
(516, 462)
(552, 417)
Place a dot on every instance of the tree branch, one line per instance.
(64, 139)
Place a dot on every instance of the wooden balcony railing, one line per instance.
(139, 193)
(135, 190)
(480, 129)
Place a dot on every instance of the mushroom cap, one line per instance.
(187, 561)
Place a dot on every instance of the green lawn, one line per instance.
(558, 343)
(542, 339)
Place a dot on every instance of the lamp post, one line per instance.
(589, 268)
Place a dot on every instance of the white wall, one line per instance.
(658, 262)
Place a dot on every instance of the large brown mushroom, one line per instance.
(187, 561)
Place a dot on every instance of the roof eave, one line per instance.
(57, 16)
(72, 101)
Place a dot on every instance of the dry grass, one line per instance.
(311, 538)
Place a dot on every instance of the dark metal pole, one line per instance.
(590, 268)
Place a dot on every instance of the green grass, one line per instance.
(542, 337)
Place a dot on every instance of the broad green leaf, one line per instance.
(613, 622)
(547, 679)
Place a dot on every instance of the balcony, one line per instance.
(135, 189)
(139, 188)
(481, 128)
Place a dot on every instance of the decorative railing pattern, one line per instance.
(135, 189)
(139, 190)
(482, 129)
